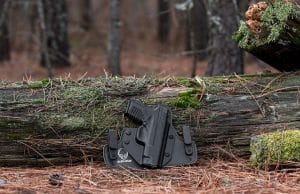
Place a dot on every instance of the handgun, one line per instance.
(154, 144)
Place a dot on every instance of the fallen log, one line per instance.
(59, 121)
(271, 32)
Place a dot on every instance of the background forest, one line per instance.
(41, 38)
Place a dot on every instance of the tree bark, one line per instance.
(271, 32)
(62, 121)
(164, 23)
(86, 18)
(56, 37)
(4, 34)
(197, 26)
(197, 33)
(225, 57)
(114, 49)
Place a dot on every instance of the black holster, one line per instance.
(155, 144)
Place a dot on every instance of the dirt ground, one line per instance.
(206, 177)
(92, 63)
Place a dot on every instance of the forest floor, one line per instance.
(206, 177)
(92, 63)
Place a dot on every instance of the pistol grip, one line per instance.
(135, 111)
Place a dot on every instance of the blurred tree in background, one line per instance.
(114, 47)
(225, 57)
(86, 17)
(197, 32)
(90, 34)
(55, 34)
(197, 25)
(164, 23)
(4, 35)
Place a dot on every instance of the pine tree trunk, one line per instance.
(63, 121)
(56, 36)
(225, 57)
(4, 34)
(86, 18)
(198, 26)
(197, 33)
(114, 49)
(164, 23)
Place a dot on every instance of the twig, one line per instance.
(271, 82)
(254, 98)
(279, 90)
(33, 149)
(227, 153)
(133, 174)
(203, 85)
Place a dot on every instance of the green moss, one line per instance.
(19, 134)
(188, 82)
(90, 118)
(276, 147)
(38, 84)
(81, 93)
(15, 130)
(277, 15)
(2, 123)
(186, 99)
(11, 124)
(73, 123)
(45, 81)
(274, 20)
(243, 36)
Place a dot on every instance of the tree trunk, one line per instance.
(225, 57)
(198, 26)
(61, 121)
(115, 38)
(56, 37)
(197, 33)
(164, 23)
(86, 18)
(271, 32)
(4, 35)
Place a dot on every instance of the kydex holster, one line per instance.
(155, 144)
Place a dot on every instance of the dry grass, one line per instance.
(206, 177)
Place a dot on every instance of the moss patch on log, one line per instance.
(188, 82)
(277, 15)
(273, 26)
(82, 94)
(275, 148)
(186, 99)
(38, 84)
